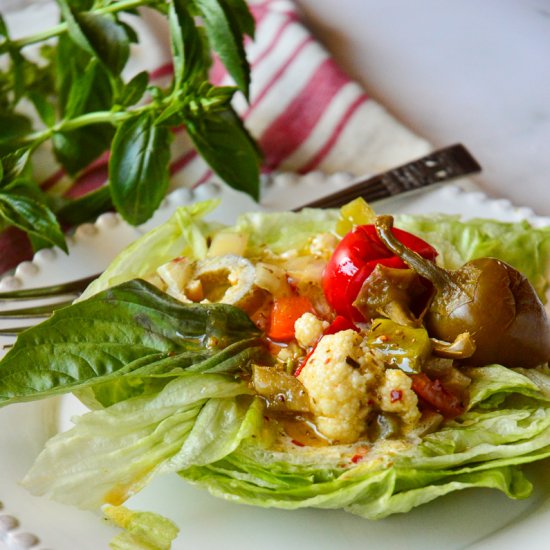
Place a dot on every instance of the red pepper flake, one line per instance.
(339, 324)
(297, 443)
(384, 338)
(396, 395)
(360, 453)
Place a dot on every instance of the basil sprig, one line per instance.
(86, 106)
(123, 340)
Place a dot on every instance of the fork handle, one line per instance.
(445, 164)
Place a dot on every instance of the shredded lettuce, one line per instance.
(142, 530)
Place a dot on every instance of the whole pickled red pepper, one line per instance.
(487, 298)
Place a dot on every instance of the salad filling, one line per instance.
(324, 358)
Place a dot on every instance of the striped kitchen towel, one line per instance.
(304, 111)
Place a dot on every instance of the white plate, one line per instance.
(475, 518)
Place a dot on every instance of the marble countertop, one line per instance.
(469, 71)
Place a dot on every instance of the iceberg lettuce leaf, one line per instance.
(521, 245)
(183, 234)
(482, 448)
(112, 453)
(142, 530)
(283, 231)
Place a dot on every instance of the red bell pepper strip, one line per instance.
(354, 259)
(286, 311)
(435, 394)
(339, 324)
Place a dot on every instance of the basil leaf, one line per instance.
(138, 167)
(224, 34)
(76, 149)
(98, 35)
(13, 126)
(131, 33)
(120, 330)
(32, 217)
(3, 27)
(13, 165)
(226, 145)
(134, 90)
(89, 90)
(108, 39)
(80, 90)
(44, 108)
(242, 16)
(85, 208)
(152, 377)
(26, 187)
(82, 5)
(187, 50)
(69, 62)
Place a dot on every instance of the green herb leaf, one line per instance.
(224, 34)
(187, 50)
(108, 39)
(13, 126)
(32, 217)
(75, 150)
(89, 91)
(13, 165)
(45, 110)
(98, 35)
(134, 90)
(114, 333)
(226, 145)
(131, 33)
(242, 16)
(80, 90)
(138, 167)
(3, 27)
(82, 5)
(85, 208)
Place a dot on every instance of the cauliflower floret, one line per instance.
(396, 396)
(338, 377)
(308, 329)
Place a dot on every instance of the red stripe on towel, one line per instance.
(338, 129)
(273, 80)
(295, 125)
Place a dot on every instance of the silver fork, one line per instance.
(438, 167)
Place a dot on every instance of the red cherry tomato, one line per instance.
(354, 259)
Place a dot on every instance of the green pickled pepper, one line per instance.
(400, 346)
